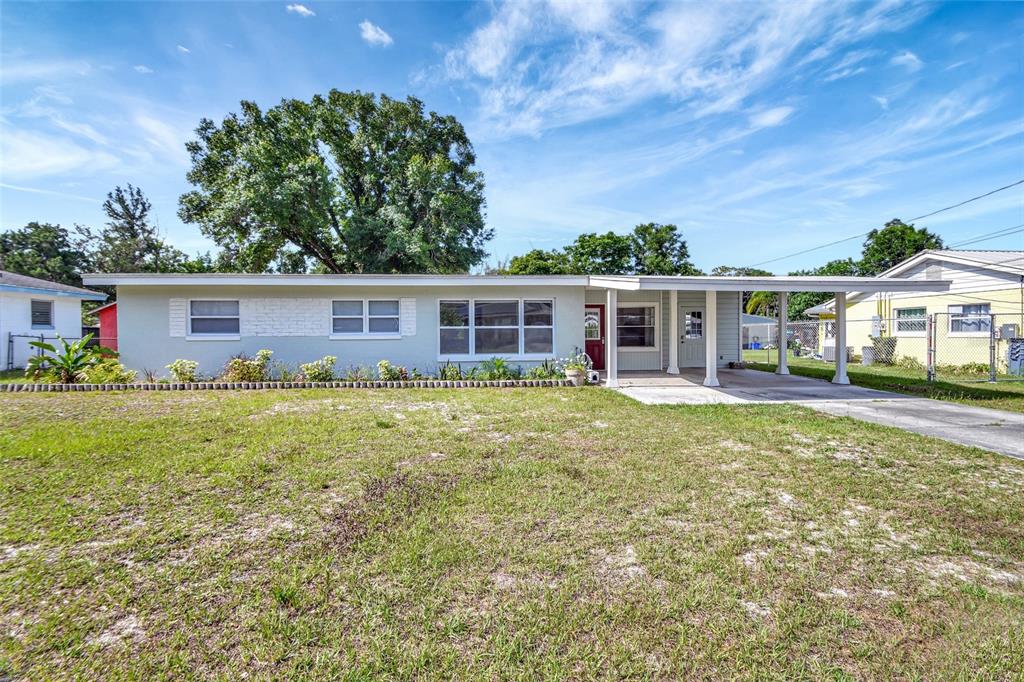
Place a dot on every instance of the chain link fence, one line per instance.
(942, 346)
(19, 348)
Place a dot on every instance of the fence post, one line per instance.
(992, 348)
(930, 353)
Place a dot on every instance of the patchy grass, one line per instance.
(1003, 395)
(495, 534)
(13, 376)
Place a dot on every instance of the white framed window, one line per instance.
(910, 321)
(42, 314)
(636, 326)
(973, 319)
(365, 317)
(214, 318)
(476, 329)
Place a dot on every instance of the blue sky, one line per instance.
(760, 129)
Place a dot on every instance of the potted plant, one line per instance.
(576, 366)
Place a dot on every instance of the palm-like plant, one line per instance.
(69, 363)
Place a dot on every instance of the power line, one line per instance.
(864, 234)
(1005, 232)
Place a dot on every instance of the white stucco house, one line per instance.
(32, 308)
(625, 323)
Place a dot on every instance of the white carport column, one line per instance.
(711, 338)
(611, 353)
(840, 377)
(673, 332)
(783, 366)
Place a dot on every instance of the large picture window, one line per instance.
(364, 317)
(970, 319)
(636, 325)
(910, 321)
(211, 318)
(481, 328)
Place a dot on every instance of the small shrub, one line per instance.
(909, 362)
(242, 368)
(149, 376)
(388, 372)
(319, 370)
(184, 371)
(449, 372)
(67, 365)
(358, 373)
(282, 371)
(109, 371)
(546, 370)
(498, 369)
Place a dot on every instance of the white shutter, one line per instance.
(176, 322)
(407, 313)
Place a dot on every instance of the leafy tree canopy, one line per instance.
(352, 182)
(650, 249)
(800, 301)
(893, 244)
(45, 251)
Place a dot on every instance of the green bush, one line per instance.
(109, 371)
(547, 370)
(184, 371)
(909, 362)
(67, 365)
(449, 371)
(319, 370)
(357, 373)
(388, 372)
(242, 368)
(497, 369)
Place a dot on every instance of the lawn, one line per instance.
(492, 534)
(13, 376)
(1003, 395)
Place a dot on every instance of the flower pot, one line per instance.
(576, 376)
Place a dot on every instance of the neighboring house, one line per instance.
(107, 316)
(758, 330)
(31, 309)
(986, 286)
(624, 322)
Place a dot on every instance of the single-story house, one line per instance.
(985, 298)
(32, 309)
(624, 323)
(758, 330)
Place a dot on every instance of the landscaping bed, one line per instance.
(495, 534)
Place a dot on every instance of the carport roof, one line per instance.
(790, 283)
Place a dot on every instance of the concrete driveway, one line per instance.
(993, 430)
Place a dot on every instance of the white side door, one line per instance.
(691, 336)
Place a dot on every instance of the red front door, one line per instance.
(593, 334)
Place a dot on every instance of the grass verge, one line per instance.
(565, 533)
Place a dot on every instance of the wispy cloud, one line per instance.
(882, 101)
(30, 154)
(301, 10)
(374, 34)
(908, 60)
(163, 137)
(184, 50)
(770, 118)
(142, 68)
(17, 71)
(49, 192)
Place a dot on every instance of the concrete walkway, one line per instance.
(993, 430)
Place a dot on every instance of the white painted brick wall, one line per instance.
(176, 318)
(285, 316)
(407, 311)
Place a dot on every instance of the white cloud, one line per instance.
(301, 10)
(374, 34)
(184, 50)
(29, 154)
(15, 71)
(82, 129)
(908, 60)
(142, 68)
(882, 101)
(770, 118)
(163, 137)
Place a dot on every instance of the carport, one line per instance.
(681, 331)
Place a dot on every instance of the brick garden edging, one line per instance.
(260, 385)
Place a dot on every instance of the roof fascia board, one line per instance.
(332, 280)
(54, 292)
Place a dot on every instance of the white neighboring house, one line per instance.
(37, 308)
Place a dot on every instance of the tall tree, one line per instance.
(539, 262)
(45, 251)
(761, 301)
(660, 250)
(802, 300)
(354, 182)
(601, 254)
(893, 244)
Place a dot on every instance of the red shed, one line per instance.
(108, 325)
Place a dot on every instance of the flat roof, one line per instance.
(623, 282)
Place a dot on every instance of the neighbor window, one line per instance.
(910, 320)
(637, 326)
(213, 317)
(499, 327)
(365, 317)
(970, 319)
(42, 314)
